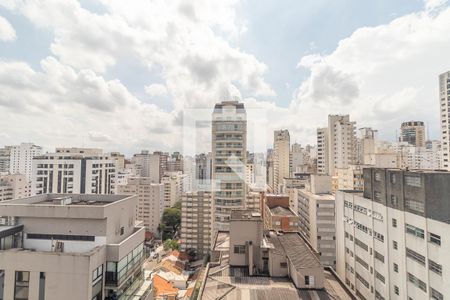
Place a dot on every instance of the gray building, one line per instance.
(67, 246)
(392, 239)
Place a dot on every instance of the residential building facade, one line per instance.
(21, 159)
(281, 157)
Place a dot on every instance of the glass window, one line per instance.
(414, 231)
(239, 249)
(434, 239)
(22, 283)
(413, 181)
(394, 222)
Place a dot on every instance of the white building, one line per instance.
(444, 99)
(392, 239)
(281, 157)
(302, 159)
(317, 217)
(147, 165)
(5, 154)
(196, 222)
(173, 187)
(150, 200)
(229, 156)
(74, 171)
(14, 186)
(336, 144)
(21, 159)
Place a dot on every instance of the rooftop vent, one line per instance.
(62, 200)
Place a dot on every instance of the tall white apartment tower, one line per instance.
(336, 145)
(229, 157)
(281, 146)
(21, 159)
(444, 95)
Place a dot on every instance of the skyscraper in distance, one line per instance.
(444, 98)
(229, 156)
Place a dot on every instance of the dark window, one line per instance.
(62, 237)
(21, 287)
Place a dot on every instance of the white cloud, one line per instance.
(381, 75)
(7, 32)
(431, 5)
(156, 90)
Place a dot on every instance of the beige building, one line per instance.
(229, 157)
(150, 200)
(196, 222)
(317, 217)
(444, 94)
(148, 165)
(281, 158)
(336, 144)
(14, 186)
(350, 178)
(5, 154)
(67, 246)
(173, 188)
(74, 171)
(413, 132)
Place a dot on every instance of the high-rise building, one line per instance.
(302, 159)
(413, 132)
(196, 222)
(391, 239)
(229, 156)
(148, 165)
(269, 168)
(14, 186)
(120, 160)
(317, 217)
(281, 158)
(5, 154)
(444, 99)
(150, 205)
(336, 144)
(61, 246)
(173, 188)
(366, 145)
(74, 171)
(175, 162)
(21, 159)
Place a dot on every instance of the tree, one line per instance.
(177, 205)
(171, 245)
(161, 228)
(172, 218)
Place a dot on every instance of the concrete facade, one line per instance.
(281, 158)
(74, 246)
(229, 157)
(21, 159)
(391, 238)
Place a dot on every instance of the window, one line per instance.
(377, 176)
(379, 256)
(395, 268)
(97, 275)
(415, 206)
(395, 245)
(21, 287)
(309, 280)
(396, 290)
(62, 237)
(379, 277)
(436, 295)
(417, 282)
(434, 239)
(283, 265)
(414, 231)
(363, 281)
(394, 201)
(435, 267)
(362, 262)
(378, 236)
(2, 283)
(413, 181)
(239, 249)
(361, 244)
(41, 286)
(393, 178)
(394, 222)
(377, 196)
(415, 256)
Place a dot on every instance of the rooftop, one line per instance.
(67, 200)
(245, 215)
(297, 251)
(281, 211)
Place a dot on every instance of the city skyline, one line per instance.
(130, 97)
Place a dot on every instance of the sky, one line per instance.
(122, 75)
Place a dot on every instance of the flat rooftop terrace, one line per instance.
(67, 200)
